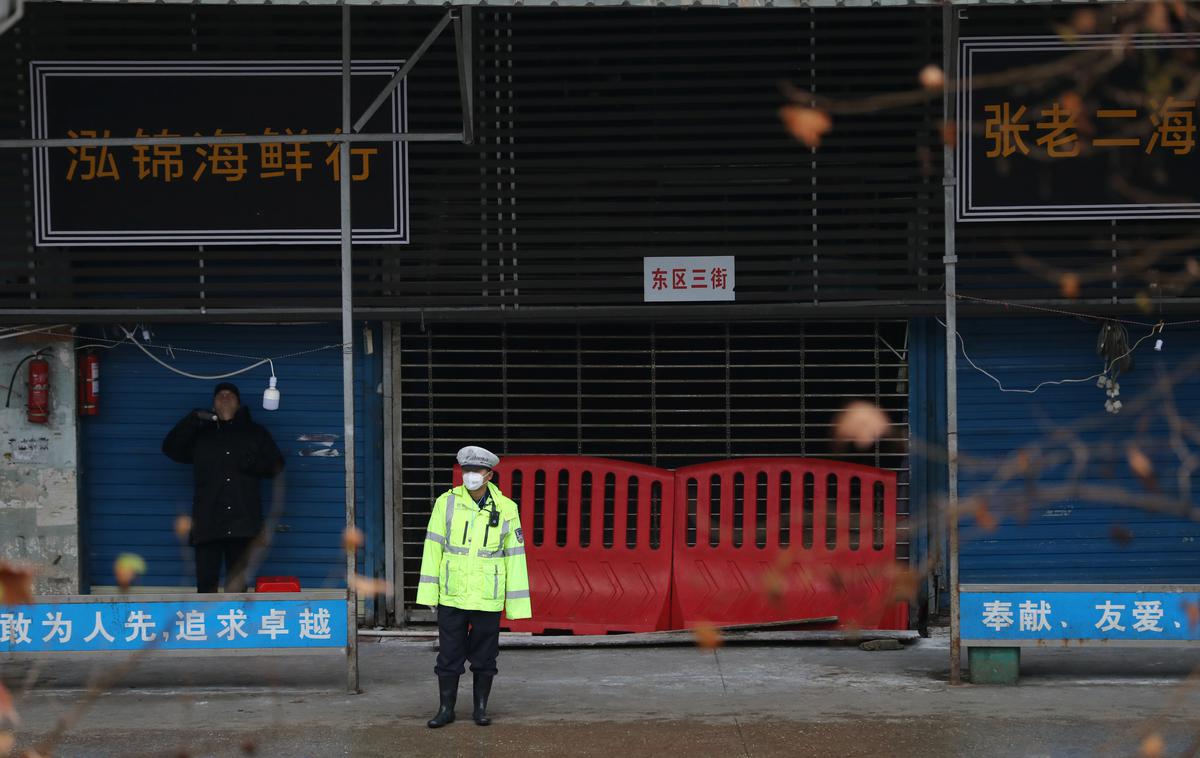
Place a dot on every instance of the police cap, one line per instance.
(473, 455)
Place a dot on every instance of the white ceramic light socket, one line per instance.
(271, 397)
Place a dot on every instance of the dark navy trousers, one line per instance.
(467, 635)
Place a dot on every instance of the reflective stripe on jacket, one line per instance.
(469, 564)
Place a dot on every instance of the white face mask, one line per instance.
(473, 480)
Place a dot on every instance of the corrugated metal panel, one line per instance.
(1071, 538)
(131, 493)
(666, 395)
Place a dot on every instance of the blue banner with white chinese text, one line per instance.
(135, 624)
(1085, 615)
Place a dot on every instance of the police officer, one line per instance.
(473, 566)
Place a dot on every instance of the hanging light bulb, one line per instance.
(271, 396)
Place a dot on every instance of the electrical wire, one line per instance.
(1154, 329)
(129, 336)
(24, 329)
(98, 342)
(1044, 309)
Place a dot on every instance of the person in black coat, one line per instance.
(230, 455)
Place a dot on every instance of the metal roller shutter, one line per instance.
(603, 135)
(1072, 538)
(132, 493)
(666, 395)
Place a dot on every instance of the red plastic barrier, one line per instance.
(801, 551)
(598, 536)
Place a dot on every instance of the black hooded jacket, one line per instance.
(229, 458)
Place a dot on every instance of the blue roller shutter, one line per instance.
(1068, 539)
(132, 493)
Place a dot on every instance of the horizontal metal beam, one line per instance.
(582, 4)
(229, 139)
(842, 310)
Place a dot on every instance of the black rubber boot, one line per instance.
(483, 688)
(448, 693)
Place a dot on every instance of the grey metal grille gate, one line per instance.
(661, 394)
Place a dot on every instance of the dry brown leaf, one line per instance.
(785, 558)
(1152, 746)
(8, 711)
(1193, 613)
(352, 539)
(1144, 302)
(932, 77)
(183, 528)
(984, 518)
(1120, 535)
(949, 132)
(1140, 464)
(1072, 102)
(249, 747)
(808, 125)
(365, 585)
(127, 568)
(1084, 21)
(1069, 284)
(1023, 462)
(1065, 32)
(837, 581)
(861, 423)
(16, 583)
(708, 637)
(774, 586)
(1157, 18)
(905, 586)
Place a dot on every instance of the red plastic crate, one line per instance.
(277, 584)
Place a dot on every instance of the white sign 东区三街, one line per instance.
(705, 278)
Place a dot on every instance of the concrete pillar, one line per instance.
(39, 465)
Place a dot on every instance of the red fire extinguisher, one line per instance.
(39, 391)
(89, 385)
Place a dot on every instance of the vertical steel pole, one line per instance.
(950, 185)
(348, 361)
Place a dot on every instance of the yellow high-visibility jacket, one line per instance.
(469, 564)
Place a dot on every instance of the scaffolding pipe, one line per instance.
(382, 97)
(228, 139)
(348, 368)
(950, 184)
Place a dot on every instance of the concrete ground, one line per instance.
(736, 701)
